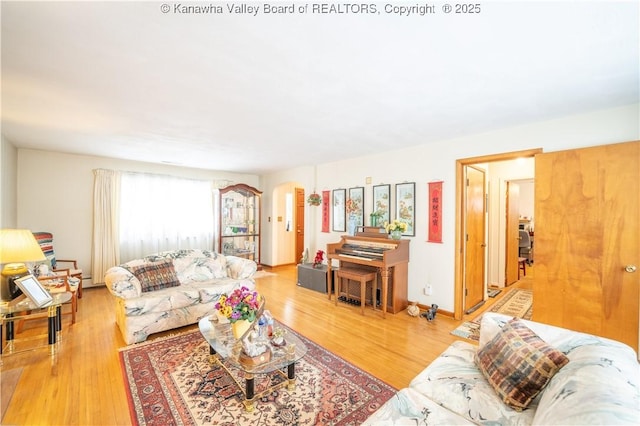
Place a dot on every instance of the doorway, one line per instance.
(462, 166)
(287, 225)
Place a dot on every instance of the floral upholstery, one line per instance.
(410, 407)
(599, 385)
(203, 275)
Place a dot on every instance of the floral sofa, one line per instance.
(597, 383)
(173, 289)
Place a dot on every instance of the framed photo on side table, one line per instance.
(339, 210)
(32, 288)
(405, 206)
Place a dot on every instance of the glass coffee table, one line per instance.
(22, 309)
(280, 359)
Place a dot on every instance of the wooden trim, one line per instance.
(440, 311)
(459, 243)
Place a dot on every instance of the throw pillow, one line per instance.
(156, 275)
(518, 364)
(45, 241)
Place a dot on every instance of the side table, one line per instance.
(22, 309)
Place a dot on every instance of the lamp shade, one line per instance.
(19, 246)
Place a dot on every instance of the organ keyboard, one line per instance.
(389, 258)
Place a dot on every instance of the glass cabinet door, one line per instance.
(240, 221)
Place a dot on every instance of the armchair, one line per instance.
(45, 240)
(61, 282)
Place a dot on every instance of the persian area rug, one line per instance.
(517, 302)
(171, 382)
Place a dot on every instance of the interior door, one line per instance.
(587, 240)
(475, 238)
(512, 244)
(299, 219)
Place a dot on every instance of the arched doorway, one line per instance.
(287, 223)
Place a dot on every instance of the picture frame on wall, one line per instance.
(405, 206)
(339, 203)
(356, 195)
(382, 203)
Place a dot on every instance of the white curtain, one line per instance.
(159, 213)
(106, 252)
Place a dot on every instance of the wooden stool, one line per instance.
(522, 266)
(362, 276)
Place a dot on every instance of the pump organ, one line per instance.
(374, 251)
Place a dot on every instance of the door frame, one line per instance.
(511, 266)
(460, 217)
(471, 238)
(299, 218)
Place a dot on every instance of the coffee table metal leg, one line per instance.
(250, 392)
(291, 368)
(58, 323)
(51, 311)
(291, 375)
(10, 333)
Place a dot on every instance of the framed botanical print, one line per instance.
(339, 210)
(381, 203)
(405, 206)
(355, 205)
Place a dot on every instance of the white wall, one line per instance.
(55, 190)
(434, 263)
(527, 196)
(55, 194)
(8, 177)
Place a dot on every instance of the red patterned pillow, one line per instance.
(518, 364)
(156, 275)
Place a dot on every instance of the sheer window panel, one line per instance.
(159, 213)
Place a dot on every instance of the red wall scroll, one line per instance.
(435, 212)
(325, 211)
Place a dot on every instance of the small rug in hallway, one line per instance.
(493, 292)
(517, 302)
(171, 381)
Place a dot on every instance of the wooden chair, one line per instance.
(61, 282)
(363, 277)
(524, 246)
(45, 240)
(522, 266)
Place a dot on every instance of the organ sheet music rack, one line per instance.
(390, 258)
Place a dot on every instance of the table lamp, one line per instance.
(17, 246)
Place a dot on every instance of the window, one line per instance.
(159, 213)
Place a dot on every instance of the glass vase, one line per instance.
(396, 234)
(351, 225)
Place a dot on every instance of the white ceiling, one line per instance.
(261, 93)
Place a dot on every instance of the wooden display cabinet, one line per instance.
(240, 222)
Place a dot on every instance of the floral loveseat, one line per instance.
(172, 289)
(597, 383)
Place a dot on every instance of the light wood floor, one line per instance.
(84, 386)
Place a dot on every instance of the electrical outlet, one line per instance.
(428, 290)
